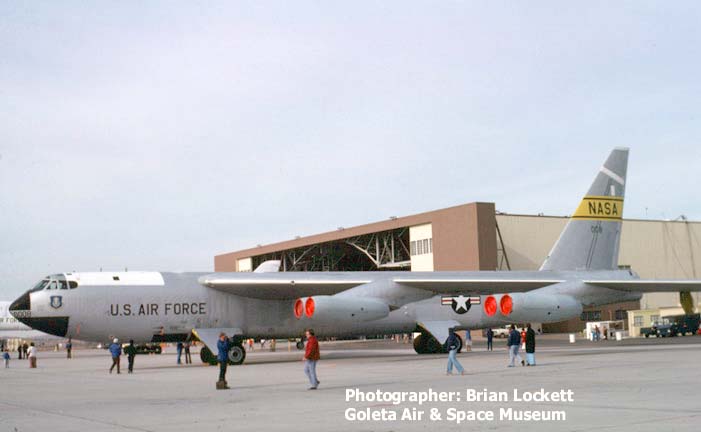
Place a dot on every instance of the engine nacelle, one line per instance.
(346, 309)
(524, 307)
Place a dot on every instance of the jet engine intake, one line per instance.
(538, 307)
(347, 309)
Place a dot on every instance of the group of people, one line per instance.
(183, 347)
(311, 357)
(515, 340)
(116, 353)
(526, 338)
(596, 334)
(25, 351)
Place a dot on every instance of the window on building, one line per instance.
(638, 320)
(426, 246)
(620, 314)
(430, 245)
(413, 248)
(654, 319)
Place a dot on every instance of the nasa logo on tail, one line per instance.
(56, 302)
(460, 304)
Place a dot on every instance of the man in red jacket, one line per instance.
(311, 356)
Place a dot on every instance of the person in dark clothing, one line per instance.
(179, 349)
(188, 357)
(223, 347)
(452, 344)
(490, 338)
(530, 346)
(130, 351)
(25, 348)
(69, 349)
(513, 343)
(19, 352)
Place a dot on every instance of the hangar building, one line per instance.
(475, 237)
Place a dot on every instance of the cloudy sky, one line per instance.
(155, 135)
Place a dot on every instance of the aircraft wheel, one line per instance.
(427, 344)
(237, 355)
(207, 357)
(300, 345)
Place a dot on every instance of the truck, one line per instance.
(686, 324)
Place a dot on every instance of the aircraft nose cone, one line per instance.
(53, 325)
(21, 308)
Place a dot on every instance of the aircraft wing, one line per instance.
(475, 285)
(648, 285)
(278, 288)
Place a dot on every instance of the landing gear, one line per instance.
(237, 355)
(207, 357)
(427, 344)
(300, 345)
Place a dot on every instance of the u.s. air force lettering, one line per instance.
(153, 309)
(460, 304)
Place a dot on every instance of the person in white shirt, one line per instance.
(32, 354)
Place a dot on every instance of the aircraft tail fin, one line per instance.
(591, 238)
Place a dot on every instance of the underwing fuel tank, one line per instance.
(329, 309)
(538, 307)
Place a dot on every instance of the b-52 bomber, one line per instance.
(581, 270)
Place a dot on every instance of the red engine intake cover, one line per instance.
(506, 304)
(309, 307)
(490, 306)
(299, 308)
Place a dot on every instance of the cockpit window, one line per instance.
(72, 284)
(40, 286)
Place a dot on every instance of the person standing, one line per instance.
(130, 351)
(116, 351)
(179, 348)
(523, 338)
(513, 342)
(32, 355)
(311, 356)
(452, 344)
(490, 338)
(530, 346)
(6, 357)
(69, 349)
(25, 349)
(19, 352)
(188, 357)
(223, 347)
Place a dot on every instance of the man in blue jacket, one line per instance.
(223, 347)
(116, 351)
(452, 344)
(513, 342)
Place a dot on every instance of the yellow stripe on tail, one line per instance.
(605, 208)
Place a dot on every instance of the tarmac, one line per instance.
(641, 385)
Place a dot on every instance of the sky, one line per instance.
(155, 135)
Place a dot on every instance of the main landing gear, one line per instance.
(237, 354)
(425, 343)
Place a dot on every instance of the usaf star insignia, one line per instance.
(460, 304)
